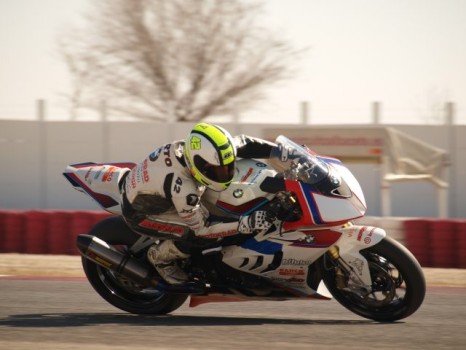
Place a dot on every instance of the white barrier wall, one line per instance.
(34, 154)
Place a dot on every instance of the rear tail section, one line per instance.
(100, 181)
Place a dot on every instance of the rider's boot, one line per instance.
(163, 256)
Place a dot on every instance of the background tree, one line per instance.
(173, 59)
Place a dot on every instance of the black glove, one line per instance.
(260, 220)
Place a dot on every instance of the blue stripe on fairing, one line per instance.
(263, 247)
(102, 199)
(245, 213)
(330, 160)
(311, 202)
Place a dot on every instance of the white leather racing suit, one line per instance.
(162, 187)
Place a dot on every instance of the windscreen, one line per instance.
(296, 162)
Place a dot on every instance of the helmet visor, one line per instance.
(217, 173)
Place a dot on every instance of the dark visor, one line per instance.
(217, 173)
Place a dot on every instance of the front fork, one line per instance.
(351, 267)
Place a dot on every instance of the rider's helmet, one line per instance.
(210, 155)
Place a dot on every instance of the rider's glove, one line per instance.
(260, 220)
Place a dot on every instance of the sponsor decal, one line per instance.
(133, 182)
(162, 227)
(187, 214)
(178, 183)
(261, 165)
(295, 280)
(99, 260)
(368, 239)
(108, 175)
(97, 174)
(166, 153)
(244, 178)
(291, 272)
(358, 265)
(288, 280)
(86, 177)
(145, 173)
(154, 155)
(350, 233)
(361, 231)
(296, 262)
(253, 180)
(221, 234)
(227, 155)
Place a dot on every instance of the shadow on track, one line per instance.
(87, 319)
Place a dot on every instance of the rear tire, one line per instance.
(398, 287)
(118, 290)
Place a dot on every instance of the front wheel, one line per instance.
(398, 283)
(119, 290)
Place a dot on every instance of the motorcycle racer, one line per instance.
(168, 184)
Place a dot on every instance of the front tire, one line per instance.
(398, 283)
(118, 290)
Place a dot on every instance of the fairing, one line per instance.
(327, 193)
(99, 181)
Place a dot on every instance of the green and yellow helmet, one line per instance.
(210, 155)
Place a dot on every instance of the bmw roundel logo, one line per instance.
(238, 193)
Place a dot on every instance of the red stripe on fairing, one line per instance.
(360, 201)
(245, 177)
(90, 164)
(243, 208)
(361, 231)
(103, 200)
(323, 237)
(306, 220)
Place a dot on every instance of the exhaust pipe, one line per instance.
(101, 253)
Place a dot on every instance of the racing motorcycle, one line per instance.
(313, 251)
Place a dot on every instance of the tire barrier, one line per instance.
(461, 244)
(45, 232)
(437, 242)
(35, 232)
(13, 232)
(443, 239)
(2, 225)
(417, 238)
(59, 231)
(434, 242)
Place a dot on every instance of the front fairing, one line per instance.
(326, 190)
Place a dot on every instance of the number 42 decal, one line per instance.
(178, 183)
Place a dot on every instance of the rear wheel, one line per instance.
(398, 284)
(119, 290)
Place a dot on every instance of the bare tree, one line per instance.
(174, 59)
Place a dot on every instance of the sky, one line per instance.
(409, 55)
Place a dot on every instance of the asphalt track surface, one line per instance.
(65, 313)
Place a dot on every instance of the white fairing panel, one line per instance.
(100, 182)
(333, 209)
(245, 185)
(352, 182)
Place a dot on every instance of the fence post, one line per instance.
(105, 131)
(376, 109)
(304, 112)
(450, 196)
(43, 159)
